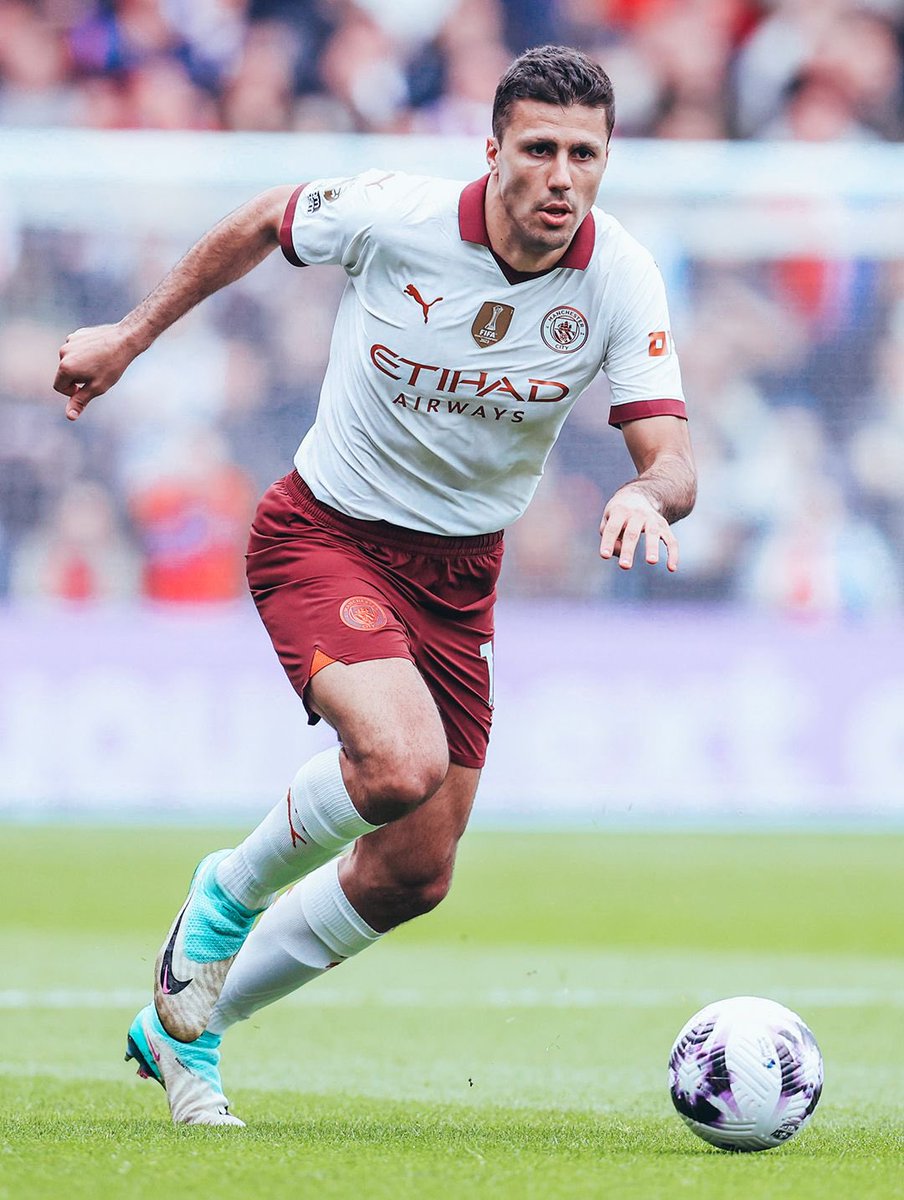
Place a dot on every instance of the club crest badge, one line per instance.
(491, 323)
(363, 612)
(564, 329)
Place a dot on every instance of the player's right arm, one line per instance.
(93, 359)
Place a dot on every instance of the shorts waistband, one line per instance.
(383, 532)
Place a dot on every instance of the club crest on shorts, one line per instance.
(363, 612)
(564, 329)
(491, 323)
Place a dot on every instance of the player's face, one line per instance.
(545, 172)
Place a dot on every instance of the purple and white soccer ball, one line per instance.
(745, 1073)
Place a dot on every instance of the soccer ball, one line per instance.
(745, 1073)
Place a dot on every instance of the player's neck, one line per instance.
(505, 242)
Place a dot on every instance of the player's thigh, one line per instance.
(384, 714)
(417, 851)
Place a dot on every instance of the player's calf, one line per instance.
(312, 825)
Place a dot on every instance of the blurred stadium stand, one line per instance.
(757, 152)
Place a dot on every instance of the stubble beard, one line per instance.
(551, 240)
(534, 239)
(538, 240)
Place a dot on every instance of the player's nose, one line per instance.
(560, 173)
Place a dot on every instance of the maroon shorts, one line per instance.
(330, 588)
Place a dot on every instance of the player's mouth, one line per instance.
(554, 216)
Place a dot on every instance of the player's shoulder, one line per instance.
(401, 192)
(615, 249)
(402, 211)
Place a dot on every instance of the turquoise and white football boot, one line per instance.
(193, 962)
(189, 1074)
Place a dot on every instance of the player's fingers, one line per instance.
(611, 532)
(78, 401)
(652, 537)
(630, 538)
(671, 545)
(63, 381)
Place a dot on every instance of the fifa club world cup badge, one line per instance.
(492, 323)
(564, 329)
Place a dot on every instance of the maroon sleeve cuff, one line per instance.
(285, 229)
(636, 410)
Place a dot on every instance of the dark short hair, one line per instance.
(555, 75)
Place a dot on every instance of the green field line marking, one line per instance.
(410, 997)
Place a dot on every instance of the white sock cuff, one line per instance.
(330, 915)
(323, 805)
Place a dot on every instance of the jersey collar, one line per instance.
(472, 225)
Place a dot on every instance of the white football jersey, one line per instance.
(450, 374)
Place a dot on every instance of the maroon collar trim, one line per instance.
(472, 225)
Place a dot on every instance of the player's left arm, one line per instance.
(663, 492)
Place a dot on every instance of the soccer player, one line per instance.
(473, 317)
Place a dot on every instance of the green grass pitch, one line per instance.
(511, 1045)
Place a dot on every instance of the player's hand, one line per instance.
(91, 361)
(629, 517)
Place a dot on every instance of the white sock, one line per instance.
(316, 820)
(311, 928)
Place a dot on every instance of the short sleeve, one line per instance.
(641, 363)
(328, 220)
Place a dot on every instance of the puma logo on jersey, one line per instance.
(415, 295)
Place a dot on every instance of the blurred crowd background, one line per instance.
(793, 366)
(809, 69)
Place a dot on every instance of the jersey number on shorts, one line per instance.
(486, 652)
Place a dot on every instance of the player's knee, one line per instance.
(413, 894)
(426, 895)
(398, 781)
(413, 782)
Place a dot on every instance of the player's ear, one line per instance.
(492, 152)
